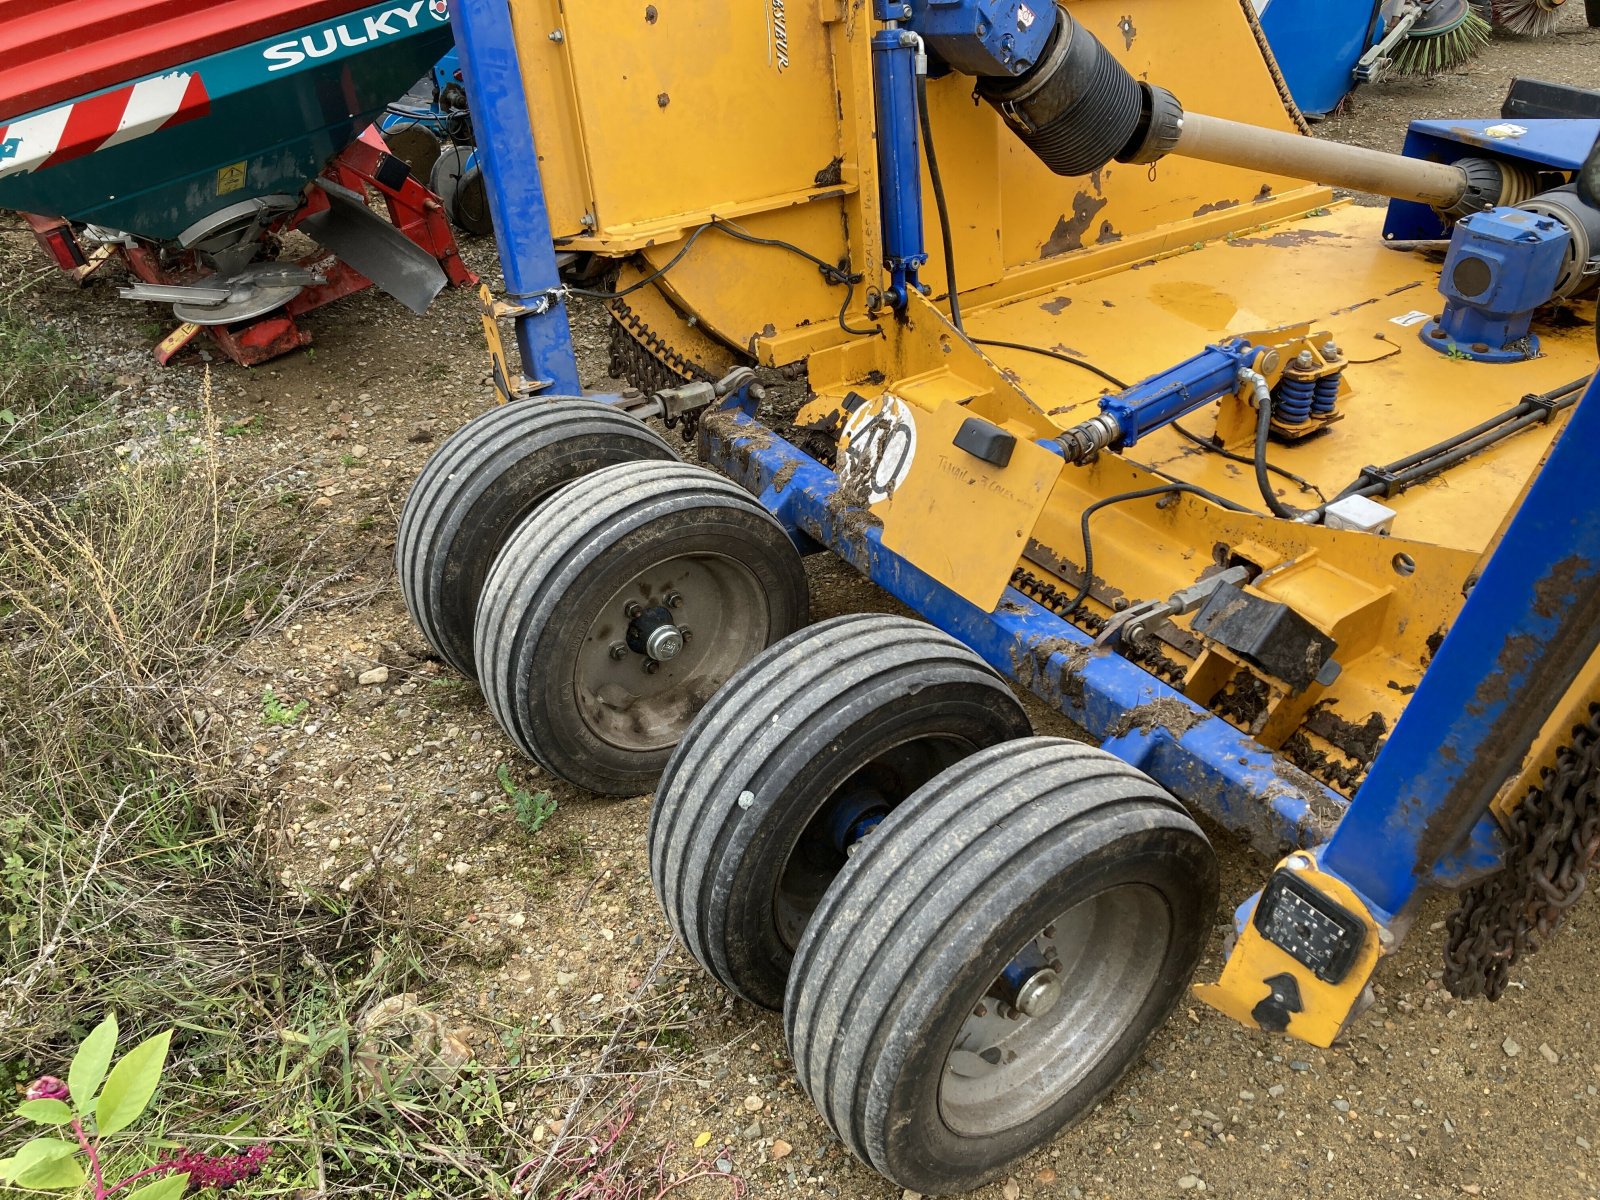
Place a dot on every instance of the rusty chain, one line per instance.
(1554, 835)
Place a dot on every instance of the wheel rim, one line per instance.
(1006, 1068)
(816, 858)
(627, 702)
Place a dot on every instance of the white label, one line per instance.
(880, 445)
(1411, 318)
(1025, 17)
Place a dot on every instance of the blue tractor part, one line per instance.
(1317, 44)
(1503, 264)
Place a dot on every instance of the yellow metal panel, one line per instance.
(960, 519)
(1334, 273)
(698, 106)
(563, 157)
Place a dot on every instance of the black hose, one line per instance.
(939, 203)
(1441, 456)
(1142, 493)
(1055, 354)
(1263, 427)
(1211, 447)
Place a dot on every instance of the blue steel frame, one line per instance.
(510, 159)
(1421, 817)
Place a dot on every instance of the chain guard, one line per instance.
(1554, 835)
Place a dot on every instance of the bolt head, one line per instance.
(651, 666)
(1304, 359)
(674, 600)
(633, 610)
(619, 650)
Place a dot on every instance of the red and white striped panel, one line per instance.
(70, 131)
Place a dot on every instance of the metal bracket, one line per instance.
(1133, 625)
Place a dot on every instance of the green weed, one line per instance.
(533, 809)
(275, 712)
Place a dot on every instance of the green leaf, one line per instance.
(45, 1112)
(45, 1164)
(90, 1062)
(59, 1174)
(131, 1084)
(168, 1188)
(7, 417)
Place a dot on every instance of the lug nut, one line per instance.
(633, 610)
(651, 666)
(619, 651)
(674, 600)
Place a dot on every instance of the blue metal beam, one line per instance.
(1526, 630)
(1194, 754)
(510, 159)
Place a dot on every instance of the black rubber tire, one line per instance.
(418, 147)
(445, 176)
(469, 205)
(864, 699)
(911, 936)
(480, 485)
(550, 588)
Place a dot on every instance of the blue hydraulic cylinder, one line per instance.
(895, 65)
(1526, 630)
(1153, 403)
(1503, 264)
(510, 160)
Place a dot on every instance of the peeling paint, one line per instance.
(1289, 237)
(1057, 306)
(1068, 233)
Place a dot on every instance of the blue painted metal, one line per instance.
(510, 161)
(850, 818)
(1549, 143)
(1526, 630)
(1503, 264)
(985, 37)
(1317, 44)
(1186, 749)
(1156, 402)
(444, 123)
(894, 74)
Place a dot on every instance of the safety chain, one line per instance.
(1056, 599)
(649, 363)
(1554, 835)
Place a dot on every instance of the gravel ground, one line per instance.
(553, 942)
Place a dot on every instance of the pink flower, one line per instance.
(48, 1088)
(219, 1170)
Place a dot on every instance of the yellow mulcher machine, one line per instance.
(1286, 500)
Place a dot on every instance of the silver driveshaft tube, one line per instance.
(1231, 143)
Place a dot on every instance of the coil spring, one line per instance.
(1295, 399)
(1325, 398)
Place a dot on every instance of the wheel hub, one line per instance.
(1039, 994)
(653, 633)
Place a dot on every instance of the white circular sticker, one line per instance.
(880, 444)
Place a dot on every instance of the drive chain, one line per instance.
(1553, 836)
